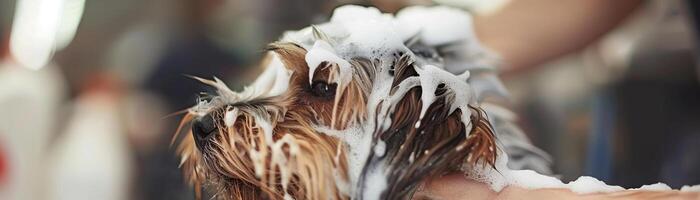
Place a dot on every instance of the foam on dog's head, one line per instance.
(402, 111)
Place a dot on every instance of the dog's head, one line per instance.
(336, 117)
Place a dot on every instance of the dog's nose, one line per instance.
(203, 127)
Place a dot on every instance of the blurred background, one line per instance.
(86, 85)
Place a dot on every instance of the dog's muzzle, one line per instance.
(202, 130)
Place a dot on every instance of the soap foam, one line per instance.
(687, 188)
(436, 25)
(655, 187)
(502, 177)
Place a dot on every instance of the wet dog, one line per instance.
(366, 106)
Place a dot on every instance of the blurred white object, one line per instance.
(41, 27)
(29, 101)
(91, 159)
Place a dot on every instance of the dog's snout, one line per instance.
(203, 127)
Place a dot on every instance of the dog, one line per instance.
(366, 106)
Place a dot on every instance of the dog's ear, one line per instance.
(292, 56)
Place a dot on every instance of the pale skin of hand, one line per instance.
(458, 187)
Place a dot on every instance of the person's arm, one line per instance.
(457, 187)
(539, 194)
(529, 32)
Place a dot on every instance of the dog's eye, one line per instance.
(323, 89)
(203, 96)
